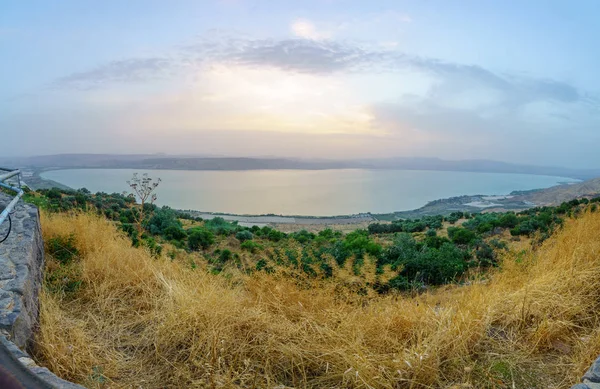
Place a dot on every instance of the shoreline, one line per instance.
(514, 201)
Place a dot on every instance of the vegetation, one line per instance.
(135, 320)
(406, 254)
(142, 189)
(496, 300)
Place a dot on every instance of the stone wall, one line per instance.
(21, 275)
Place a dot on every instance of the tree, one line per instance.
(142, 190)
(509, 220)
(201, 237)
(164, 222)
(461, 235)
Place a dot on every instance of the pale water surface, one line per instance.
(305, 192)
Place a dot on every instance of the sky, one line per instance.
(510, 80)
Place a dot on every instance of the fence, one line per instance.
(5, 175)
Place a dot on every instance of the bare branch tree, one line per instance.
(143, 191)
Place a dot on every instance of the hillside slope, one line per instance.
(131, 320)
(558, 194)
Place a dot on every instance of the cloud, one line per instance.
(293, 85)
(322, 57)
(124, 71)
(306, 29)
(300, 55)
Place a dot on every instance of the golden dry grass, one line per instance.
(139, 322)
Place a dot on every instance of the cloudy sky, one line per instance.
(514, 80)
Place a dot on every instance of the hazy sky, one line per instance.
(507, 80)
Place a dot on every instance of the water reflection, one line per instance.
(305, 192)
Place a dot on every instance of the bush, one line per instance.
(225, 256)
(461, 235)
(155, 248)
(174, 233)
(220, 226)
(243, 236)
(420, 265)
(54, 194)
(200, 238)
(62, 248)
(303, 236)
(276, 236)
(508, 220)
(165, 219)
(251, 246)
(358, 243)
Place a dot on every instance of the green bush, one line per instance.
(251, 246)
(419, 264)
(460, 235)
(243, 236)
(200, 238)
(62, 248)
(155, 248)
(220, 226)
(276, 236)
(225, 256)
(303, 236)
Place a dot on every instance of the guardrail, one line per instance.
(5, 175)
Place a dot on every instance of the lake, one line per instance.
(305, 192)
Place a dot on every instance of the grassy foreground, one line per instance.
(134, 321)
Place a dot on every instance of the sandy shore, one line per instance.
(294, 223)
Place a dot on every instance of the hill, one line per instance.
(114, 315)
(161, 161)
(559, 194)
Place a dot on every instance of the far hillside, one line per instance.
(186, 162)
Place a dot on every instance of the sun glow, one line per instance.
(243, 98)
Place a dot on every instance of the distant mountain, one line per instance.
(479, 165)
(161, 161)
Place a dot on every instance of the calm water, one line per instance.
(304, 192)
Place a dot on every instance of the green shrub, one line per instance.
(155, 248)
(200, 238)
(303, 236)
(276, 236)
(251, 246)
(220, 226)
(62, 248)
(460, 235)
(225, 256)
(243, 236)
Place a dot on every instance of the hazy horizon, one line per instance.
(329, 79)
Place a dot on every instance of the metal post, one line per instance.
(18, 190)
(8, 175)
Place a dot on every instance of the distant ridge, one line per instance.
(174, 162)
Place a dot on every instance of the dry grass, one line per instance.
(139, 322)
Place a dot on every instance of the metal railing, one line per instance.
(5, 175)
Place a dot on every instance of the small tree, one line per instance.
(143, 191)
(200, 238)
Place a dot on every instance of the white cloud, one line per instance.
(306, 29)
